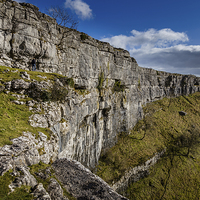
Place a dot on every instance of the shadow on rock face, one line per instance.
(81, 182)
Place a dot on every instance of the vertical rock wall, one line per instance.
(115, 87)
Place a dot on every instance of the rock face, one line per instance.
(82, 183)
(55, 190)
(115, 87)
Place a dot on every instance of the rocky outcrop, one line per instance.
(24, 152)
(81, 182)
(27, 150)
(55, 190)
(40, 193)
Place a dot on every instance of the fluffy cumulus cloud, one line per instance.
(163, 49)
(81, 8)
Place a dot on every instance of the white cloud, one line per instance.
(163, 49)
(150, 38)
(81, 8)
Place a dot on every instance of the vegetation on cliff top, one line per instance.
(162, 127)
(9, 74)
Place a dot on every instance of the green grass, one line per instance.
(5, 180)
(161, 126)
(21, 193)
(14, 120)
(8, 74)
(41, 168)
(83, 36)
(101, 80)
(173, 177)
(118, 87)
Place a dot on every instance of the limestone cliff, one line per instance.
(117, 87)
(29, 165)
(109, 87)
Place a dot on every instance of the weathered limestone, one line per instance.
(91, 120)
(81, 182)
(55, 190)
(40, 193)
(26, 179)
(25, 151)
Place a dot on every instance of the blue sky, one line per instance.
(162, 35)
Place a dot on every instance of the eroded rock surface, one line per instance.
(25, 152)
(40, 193)
(55, 190)
(81, 182)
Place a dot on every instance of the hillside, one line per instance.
(175, 176)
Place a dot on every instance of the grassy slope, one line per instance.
(9, 74)
(162, 127)
(175, 177)
(14, 118)
(13, 121)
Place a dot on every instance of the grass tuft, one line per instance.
(19, 193)
(118, 87)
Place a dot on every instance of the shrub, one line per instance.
(45, 95)
(118, 87)
(101, 79)
(67, 81)
(83, 36)
(58, 93)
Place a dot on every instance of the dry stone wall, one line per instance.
(115, 87)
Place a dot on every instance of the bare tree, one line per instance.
(62, 17)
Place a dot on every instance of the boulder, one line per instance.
(81, 182)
